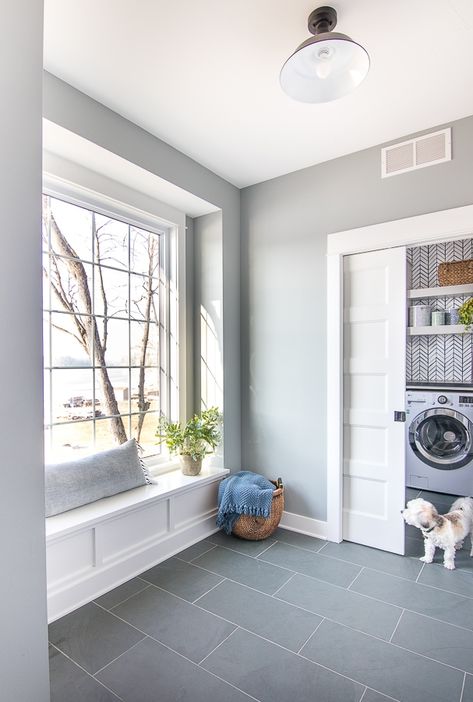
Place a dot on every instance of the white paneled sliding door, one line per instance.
(374, 389)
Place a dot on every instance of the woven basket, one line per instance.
(456, 273)
(258, 528)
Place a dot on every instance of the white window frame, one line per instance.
(174, 228)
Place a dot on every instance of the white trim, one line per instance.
(445, 225)
(304, 525)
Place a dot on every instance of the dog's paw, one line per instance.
(424, 559)
(459, 546)
(449, 566)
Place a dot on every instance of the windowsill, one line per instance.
(170, 483)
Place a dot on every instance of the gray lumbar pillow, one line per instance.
(88, 479)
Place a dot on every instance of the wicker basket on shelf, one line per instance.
(456, 272)
(258, 528)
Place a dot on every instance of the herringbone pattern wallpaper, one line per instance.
(438, 359)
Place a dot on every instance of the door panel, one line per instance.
(374, 387)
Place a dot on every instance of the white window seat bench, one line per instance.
(94, 548)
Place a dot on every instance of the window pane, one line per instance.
(151, 390)
(115, 334)
(111, 242)
(46, 286)
(46, 344)
(112, 390)
(144, 252)
(144, 303)
(75, 226)
(72, 394)
(143, 429)
(106, 431)
(47, 397)
(71, 285)
(69, 335)
(144, 344)
(111, 292)
(97, 334)
(70, 441)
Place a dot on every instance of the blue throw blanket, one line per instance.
(243, 493)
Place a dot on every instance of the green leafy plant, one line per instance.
(197, 437)
(465, 314)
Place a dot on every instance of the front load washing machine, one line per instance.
(439, 440)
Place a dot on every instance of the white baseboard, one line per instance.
(304, 525)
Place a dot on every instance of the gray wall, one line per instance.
(285, 223)
(78, 113)
(23, 631)
(208, 331)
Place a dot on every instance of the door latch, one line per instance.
(399, 416)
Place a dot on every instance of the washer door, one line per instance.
(442, 438)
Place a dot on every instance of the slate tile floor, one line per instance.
(289, 619)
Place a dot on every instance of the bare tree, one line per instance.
(73, 294)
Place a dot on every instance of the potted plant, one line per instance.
(192, 441)
(465, 314)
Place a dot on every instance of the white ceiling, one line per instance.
(203, 75)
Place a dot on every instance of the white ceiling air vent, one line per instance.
(417, 153)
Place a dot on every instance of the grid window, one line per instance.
(106, 299)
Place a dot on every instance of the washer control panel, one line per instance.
(442, 399)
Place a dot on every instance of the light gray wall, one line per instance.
(285, 223)
(78, 113)
(23, 630)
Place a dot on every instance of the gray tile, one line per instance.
(248, 548)
(194, 551)
(272, 674)
(439, 498)
(276, 621)
(468, 690)
(152, 673)
(373, 558)
(458, 581)
(248, 571)
(342, 605)
(412, 493)
(120, 593)
(372, 696)
(295, 539)
(69, 683)
(176, 623)
(92, 637)
(182, 579)
(414, 547)
(413, 532)
(312, 564)
(443, 642)
(446, 606)
(382, 666)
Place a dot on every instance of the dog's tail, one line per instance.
(466, 505)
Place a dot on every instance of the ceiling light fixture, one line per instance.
(326, 66)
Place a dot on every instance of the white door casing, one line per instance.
(374, 294)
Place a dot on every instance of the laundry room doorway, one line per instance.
(366, 355)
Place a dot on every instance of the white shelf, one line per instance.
(446, 291)
(444, 329)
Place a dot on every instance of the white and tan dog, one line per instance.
(445, 531)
